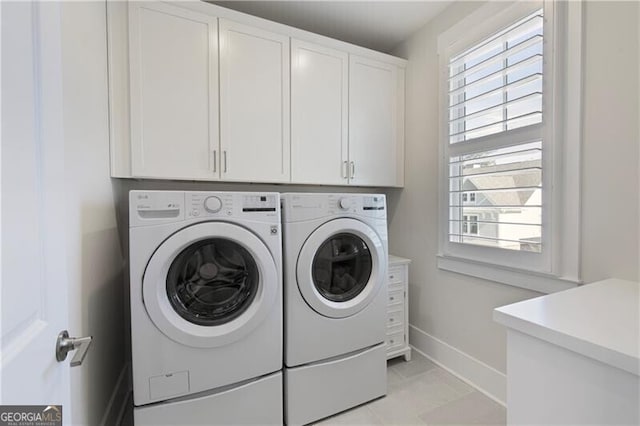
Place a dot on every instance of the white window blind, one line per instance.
(510, 94)
(495, 116)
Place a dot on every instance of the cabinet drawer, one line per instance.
(395, 297)
(395, 339)
(396, 275)
(395, 318)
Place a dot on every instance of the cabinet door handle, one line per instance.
(345, 169)
(215, 161)
(224, 153)
(353, 169)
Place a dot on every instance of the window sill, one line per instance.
(542, 283)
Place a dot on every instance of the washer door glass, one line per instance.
(212, 282)
(342, 267)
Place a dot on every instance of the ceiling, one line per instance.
(378, 25)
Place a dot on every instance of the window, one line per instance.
(495, 87)
(469, 197)
(502, 89)
(470, 224)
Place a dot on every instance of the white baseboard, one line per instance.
(485, 378)
(119, 398)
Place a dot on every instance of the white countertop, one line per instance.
(599, 320)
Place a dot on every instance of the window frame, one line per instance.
(562, 45)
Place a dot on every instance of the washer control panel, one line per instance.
(207, 204)
(345, 203)
(373, 202)
(213, 204)
(225, 204)
(158, 207)
(259, 203)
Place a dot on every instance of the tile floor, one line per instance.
(421, 393)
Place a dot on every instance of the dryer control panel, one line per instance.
(364, 205)
(300, 207)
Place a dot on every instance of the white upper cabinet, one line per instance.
(376, 122)
(200, 92)
(254, 104)
(319, 114)
(173, 78)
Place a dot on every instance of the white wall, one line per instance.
(611, 141)
(456, 309)
(95, 261)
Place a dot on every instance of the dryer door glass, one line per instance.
(341, 267)
(212, 282)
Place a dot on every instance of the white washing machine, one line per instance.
(206, 307)
(335, 258)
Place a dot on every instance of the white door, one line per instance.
(173, 65)
(373, 121)
(319, 114)
(34, 287)
(254, 104)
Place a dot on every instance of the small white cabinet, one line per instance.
(319, 114)
(573, 357)
(376, 122)
(398, 309)
(173, 78)
(254, 103)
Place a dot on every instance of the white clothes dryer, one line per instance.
(206, 307)
(335, 257)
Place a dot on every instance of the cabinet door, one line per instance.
(319, 114)
(173, 65)
(254, 104)
(373, 122)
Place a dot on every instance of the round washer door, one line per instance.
(210, 284)
(341, 268)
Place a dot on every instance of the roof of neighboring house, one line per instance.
(524, 178)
